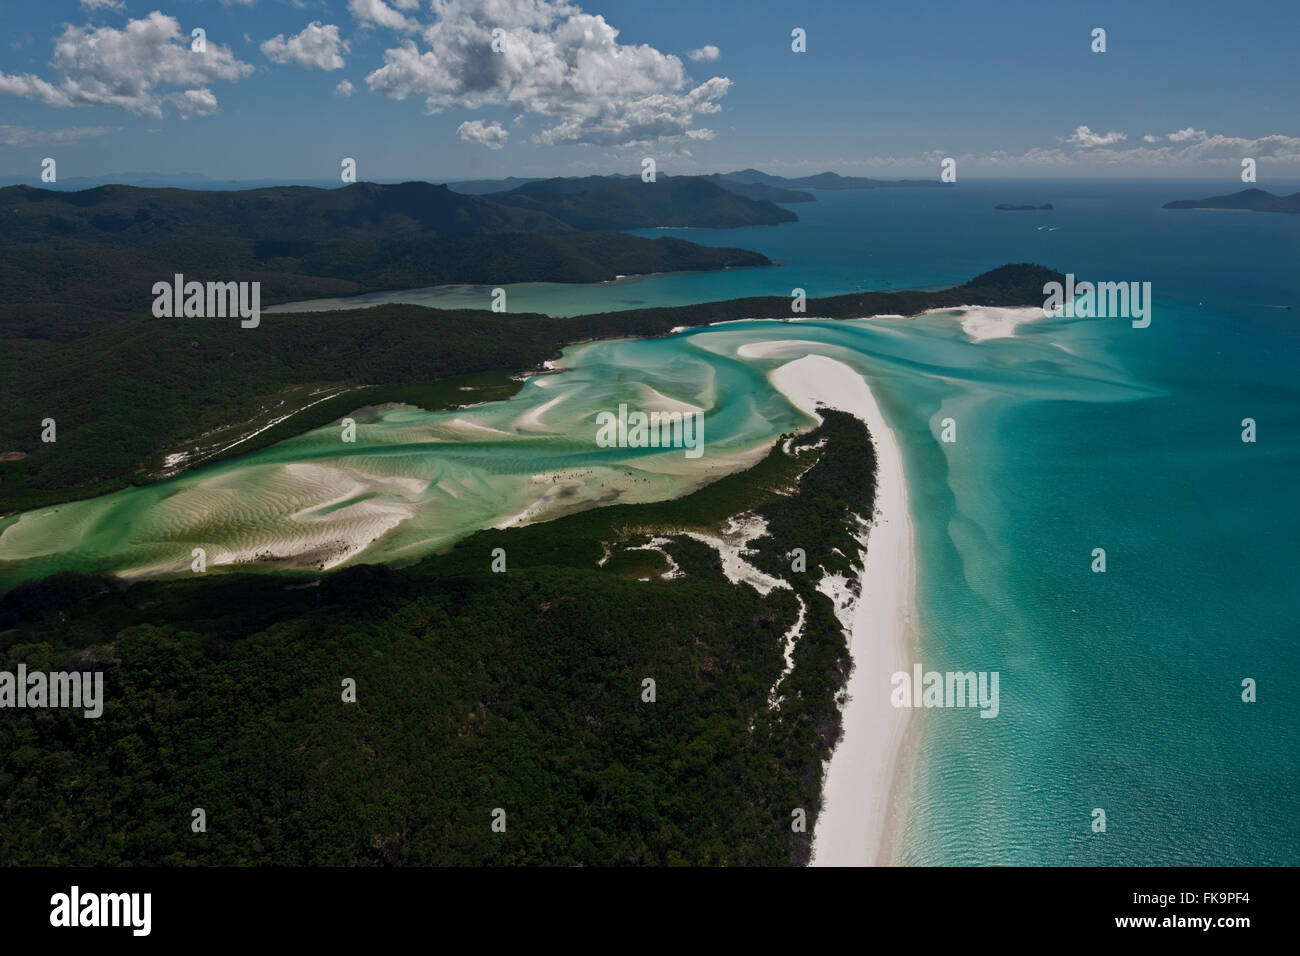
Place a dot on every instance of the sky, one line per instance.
(413, 89)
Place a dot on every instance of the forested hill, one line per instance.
(131, 216)
(60, 285)
(68, 258)
(828, 181)
(606, 203)
(760, 190)
(482, 187)
(1253, 200)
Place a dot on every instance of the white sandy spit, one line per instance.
(982, 322)
(859, 821)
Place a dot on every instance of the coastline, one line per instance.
(865, 782)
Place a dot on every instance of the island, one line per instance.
(750, 190)
(1011, 207)
(827, 181)
(606, 202)
(1251, 200)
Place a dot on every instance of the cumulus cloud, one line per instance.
(1148, 138)
(492, 135)
(194, 102)
(1085, 138)
(136, 68)
(555, 62)
(705, 54)
(316, 47)
(344, 90)
(1191, 148)
(376, 13)
(26, 136)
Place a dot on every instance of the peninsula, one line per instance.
(1252, 200)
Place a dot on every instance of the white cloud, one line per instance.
(194, 102)
(376, 13)
(135, 68)
(1086, 138)
(1185, 135)
(316, 46)
(1232, 148)
(706, 53)
(344, 90)
(103, 4)
(492, 135)
(1211, 151)
(26, 136)
(33, 88)
(555, 61)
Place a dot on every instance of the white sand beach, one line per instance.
(859, 821)
(982, 322)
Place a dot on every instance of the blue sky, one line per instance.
(1010, 89)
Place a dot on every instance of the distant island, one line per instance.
(755, 190)
(1253, 200)
(825, 181)
(1011, 207)
(759, 190)
(750, 183)
(608, 202)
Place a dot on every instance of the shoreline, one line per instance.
(864, 790)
